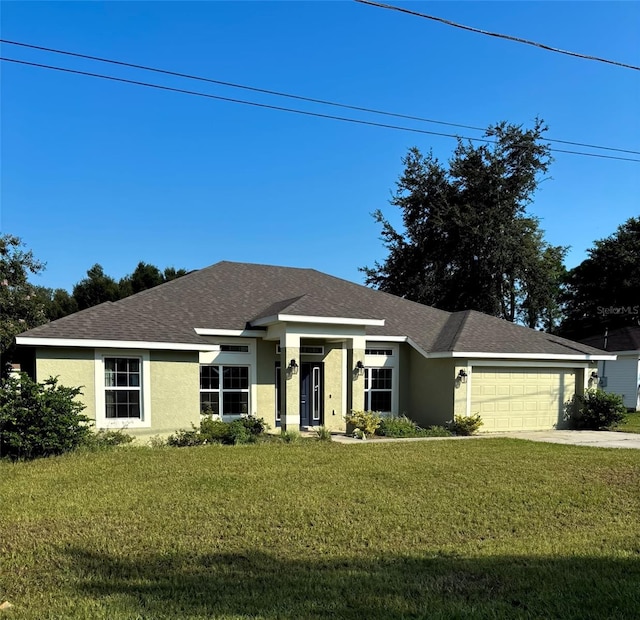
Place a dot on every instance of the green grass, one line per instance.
(487, 528)
(631, 423)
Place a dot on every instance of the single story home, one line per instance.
(622, 375)
(300, 349)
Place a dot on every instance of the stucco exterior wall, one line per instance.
(431, 390)
(404, 379)
(74, 368)
(175, 393)
(333, 392)
(266, 359)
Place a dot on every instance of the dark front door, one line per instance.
(311, 393)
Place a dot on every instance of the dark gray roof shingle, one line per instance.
(232, 295)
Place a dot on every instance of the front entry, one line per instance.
(311, 393)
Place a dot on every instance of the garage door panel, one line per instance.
(524, 399)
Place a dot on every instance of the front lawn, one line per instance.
(486, 528)
(631, 423)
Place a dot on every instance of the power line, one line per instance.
(291, 110)
(291, 96)
(497, 35)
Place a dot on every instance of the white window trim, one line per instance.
(394, 386)
(144, 421)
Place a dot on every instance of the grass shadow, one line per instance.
(262, 585)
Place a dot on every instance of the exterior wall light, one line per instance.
(462, 376)
(293, 367)
(359, 368)
(594, 376)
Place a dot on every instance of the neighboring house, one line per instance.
(621, 376)
(300, 348)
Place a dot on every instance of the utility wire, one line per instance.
(289, 95)
(496, 34)
(291, 110)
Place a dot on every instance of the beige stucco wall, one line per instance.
(431, 390)
(404, 379)
(333, 370)
(175, 393)
(174, 389)
(266, 359)
(74, 368)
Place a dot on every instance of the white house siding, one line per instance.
(622, 377)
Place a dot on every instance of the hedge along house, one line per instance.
(300, 349)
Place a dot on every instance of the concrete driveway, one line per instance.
(594, 439)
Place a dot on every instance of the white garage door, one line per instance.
(520, 398)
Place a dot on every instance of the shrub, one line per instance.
(436, 431)
(107, 438)
(398, 426)
(323, 433)
(157, 442)
(595, 410)
(465, 425)
(365, 421)
(238, 433)
(255, 426)
(186, 439)
(291, 436)
(40, 419)
(214, 430)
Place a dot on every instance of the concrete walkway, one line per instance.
(594, 439)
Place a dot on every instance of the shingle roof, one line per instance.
(232, 295)
(621, 339)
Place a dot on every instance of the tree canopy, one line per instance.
(604, 289)
(467, 240)
(21, 307)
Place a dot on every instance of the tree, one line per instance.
(21, 307)
(95, 289)
(603, 291)
(467, 240)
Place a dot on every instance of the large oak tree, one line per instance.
(467, 241)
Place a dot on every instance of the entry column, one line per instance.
(290, 381)
(355, 376)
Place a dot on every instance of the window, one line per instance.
(305, 350)
(224, 389)
(122, 387)
(378, 389)
(278, 378)
(234, 348)
(386, 352)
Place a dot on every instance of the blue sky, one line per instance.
(99, 172)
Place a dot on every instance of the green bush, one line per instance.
(291, 436)
(323, 433)
(436, 431)
(595, 410)
(465, 425)
(186, 439)
(40, 419)
(255, 426)
(107, 438)
(214, 430)
(238, 433)
(365, 421)
(398, 426)
(402, 426)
